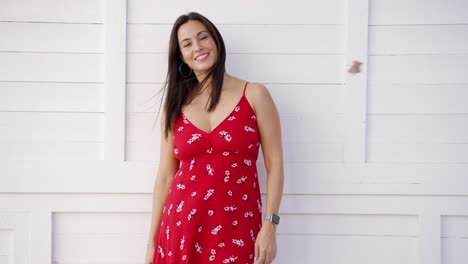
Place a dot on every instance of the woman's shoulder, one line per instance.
(257, 94)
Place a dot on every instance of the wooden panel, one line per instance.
(51, 67)
(410, 152)
(352, 249)
(51, 97)
(6, 245)
(55, 37)
(420, 69)
(454, 239)
(72, 11)
(418, 128)
(418, 39)
(15, 246)
(30, 126)
(289, 39)
(401, 12)
(50, 150)
(151, 68)
(418, 99)
(304, 12)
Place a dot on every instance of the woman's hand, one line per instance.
(265, 245)
(149, 255)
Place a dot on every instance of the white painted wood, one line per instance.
(419, 69)
(402, 12)
(430, 244)
(251, 12)
(51, 97)
(454, 242)
(274, 38)
(418, 39)
(354, 134)
(14, 229)
(51, 37)
(45, 126)
(151, 68)
(51, 67)
(68, 11)
(115, 81)
(40, 236)
(28, 151)
(418, 99)
(418, 128)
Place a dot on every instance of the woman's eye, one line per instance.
(204, 37)
(186, 45)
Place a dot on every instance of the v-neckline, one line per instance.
(220, 123)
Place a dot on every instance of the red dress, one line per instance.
(213, 210)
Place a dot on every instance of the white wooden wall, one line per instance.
(376, 162)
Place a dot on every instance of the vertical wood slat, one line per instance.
(354, 147)
(41, 237)
(430, 238)
(115, 81)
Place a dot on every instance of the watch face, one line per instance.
(275, 219)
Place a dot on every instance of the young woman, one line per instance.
(207, 206)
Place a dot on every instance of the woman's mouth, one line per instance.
(201, 57)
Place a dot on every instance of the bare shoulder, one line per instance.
(258, 95)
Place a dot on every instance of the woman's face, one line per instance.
(197, 46)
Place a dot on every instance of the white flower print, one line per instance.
(193, 194)
(231, 118)
(180, 129)
(176, 151)
(237, 109)
(221, 244)
(212, 255)
(199, 228)
(259, 205)
(209, 194)
(192, 162)
(169, 210)
(250, 146)
(160, 251)
(229, 193)
(249, 129)
(248, 214)
(238, 242)
(210, 212)
(179, 207)
(252, 235)
(180, 186)
(198, 248)
(168, 231)
(185, 120)
(194, 138)
(230, 208)
(178, 223)
(235, 223)
(191, 214)
(253, 117)
(245, 197)
(226, 176)
(184, 258)
(241, 179)
(231, 259)
(209, 170)
(216, 229)
(182, 242)
(226, 153)
(193, 177)
(248, 162)
(169, 253)
(225, 135)
(210, 150)
(234, 164)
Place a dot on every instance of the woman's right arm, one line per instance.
(168, 166)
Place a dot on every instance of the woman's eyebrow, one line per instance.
(198, 34)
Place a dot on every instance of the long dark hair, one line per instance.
(181, 90)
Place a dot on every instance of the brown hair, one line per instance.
(181, 90)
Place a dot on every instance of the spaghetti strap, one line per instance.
(245, 88)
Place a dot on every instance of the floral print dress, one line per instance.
(213, 210)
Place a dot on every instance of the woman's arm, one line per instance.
(168, 166)
(270, 136)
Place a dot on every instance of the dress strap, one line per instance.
(245, 87)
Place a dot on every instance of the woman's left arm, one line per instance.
(270, 136)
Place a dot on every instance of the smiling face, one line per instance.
(197, 46)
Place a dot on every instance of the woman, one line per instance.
(207, 206)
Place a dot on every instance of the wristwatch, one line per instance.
(275, 219)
